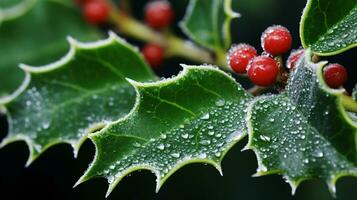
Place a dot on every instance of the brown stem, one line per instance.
(283, 75)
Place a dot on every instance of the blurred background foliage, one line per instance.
(55, 172)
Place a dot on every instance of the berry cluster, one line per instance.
(265, 70)
(262, 70)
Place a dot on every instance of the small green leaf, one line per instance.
(182, 120)
(207, 22)
(329, 27)
(304, 133)
(25, 36)
(85, 90)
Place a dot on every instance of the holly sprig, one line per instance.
(106, 91)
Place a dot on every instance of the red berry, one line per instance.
(263, 70)
(154, 54)
(239, 57)
(159, 14)
(276, 40)
(295, 55)
(335, 75)
(96, 11)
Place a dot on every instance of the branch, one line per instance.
(175, 46)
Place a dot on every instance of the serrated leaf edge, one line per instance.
(159, 181)
(262, 169)
(74, 46)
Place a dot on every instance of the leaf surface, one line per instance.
(85, 90)
(26, 37)
(207, 22)
(174, 122)
(304, 133)
(329, 27)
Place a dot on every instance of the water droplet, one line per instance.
(205, 142)
(46, 125)
(161, 146)
(136, 144)
(28, 103)
(220, 102)
(264, 138)
(110, 179)
(318, 154)
(175, 155)
(184, 136)
(205, 116)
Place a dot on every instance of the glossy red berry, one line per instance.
(335, 75)
(96, 11)
(263, 71)
(154, 54)
(276, 40)
(159, 14)
(239, 57)
(295, 55)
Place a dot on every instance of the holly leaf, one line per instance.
(304, 133)
(354, 93)
(81, 93)
(26, 38)
(329, 27)
(207, 22)
(177, 121)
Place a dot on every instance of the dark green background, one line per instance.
(54, 173)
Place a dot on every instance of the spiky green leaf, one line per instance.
(26, 37)
(207, 22)
(304, 133)
(85, 90)
(186, 119)
(329, 27)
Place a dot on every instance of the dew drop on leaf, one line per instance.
(220, 102)
(205, 142)
(264, 138)
(161, 146)
(184, 136)
(175, 155)
(205, 116)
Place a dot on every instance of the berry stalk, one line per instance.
(175, 46)
(348, 103)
